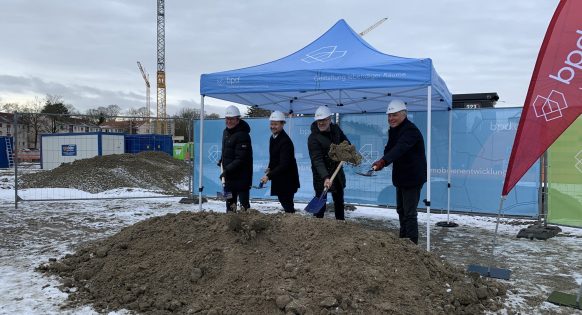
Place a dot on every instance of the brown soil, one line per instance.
(252, 263)
(345, 152)
(148, 170)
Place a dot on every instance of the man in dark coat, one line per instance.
(323, 134)
(405, 150)
(237, 159)
(282, 169)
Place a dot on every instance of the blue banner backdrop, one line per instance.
(481, 146)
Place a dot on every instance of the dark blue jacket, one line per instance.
(405, 150)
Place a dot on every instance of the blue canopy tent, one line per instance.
(339, 70)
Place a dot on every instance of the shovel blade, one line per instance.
(368, 173)
(316, 204)
(260, 186)
(223, 195)
(490, 272)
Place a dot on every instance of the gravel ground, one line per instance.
(38, 231)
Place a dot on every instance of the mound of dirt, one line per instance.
(148, 170)
(252, 263)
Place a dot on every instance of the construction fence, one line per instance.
(78, 157)
(481, 145)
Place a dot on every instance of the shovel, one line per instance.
(368, 173)
(260, 186)
(224, 194)
(318, 202)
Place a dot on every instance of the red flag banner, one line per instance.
(554, 98)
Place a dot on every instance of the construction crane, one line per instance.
(366, 31)
(146, 78)
(161, 123)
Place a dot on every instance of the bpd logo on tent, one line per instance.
(324, 54)
(550, 107)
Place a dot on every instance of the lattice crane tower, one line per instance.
(161, 123)
(146, 79)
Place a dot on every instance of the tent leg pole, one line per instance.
(449, 170)
(200, 169)
(428, 144)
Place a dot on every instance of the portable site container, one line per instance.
(59, 148)
(6, 152)
(183, 151)
(150, 142)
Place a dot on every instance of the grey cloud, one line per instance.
(95, 44)
(82, 97)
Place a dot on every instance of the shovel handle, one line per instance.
(336, 171)
(332, 178)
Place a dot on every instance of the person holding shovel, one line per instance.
(323, 134)
(282, 170)
(405, 150)
(237, 159)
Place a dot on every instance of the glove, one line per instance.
(378, 165)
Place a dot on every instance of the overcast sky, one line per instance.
(86, 51)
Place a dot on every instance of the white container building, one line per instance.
(59, 148)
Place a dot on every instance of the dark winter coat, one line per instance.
(237, 157)
(322, 166)
(405, 150)
(283, 171)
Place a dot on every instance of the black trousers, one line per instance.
(243, 198)
(286, 200)
(406, 205)
(338, 202)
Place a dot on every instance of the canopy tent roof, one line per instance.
(340, 70)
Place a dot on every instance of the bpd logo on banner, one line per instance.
(69, 150)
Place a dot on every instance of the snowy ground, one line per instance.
(37, 231)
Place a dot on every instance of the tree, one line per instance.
(101, 114)
(212, 116)
(112, 110)
(141, 112)
(55, 106)
(183, 122)
(96, 116)
(11, 107)
(33, 119)
(258, 112)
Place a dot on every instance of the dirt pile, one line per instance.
(251, 263)
(345, 152)
(148, 170)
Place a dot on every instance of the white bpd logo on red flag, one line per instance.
(555, 92)
(551, 106)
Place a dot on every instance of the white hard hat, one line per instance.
(232, 111)
(395, 106)
(277, 116)
(322, 112)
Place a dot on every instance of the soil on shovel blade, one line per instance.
(345, 152)
(252, 263)
(148, 170)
